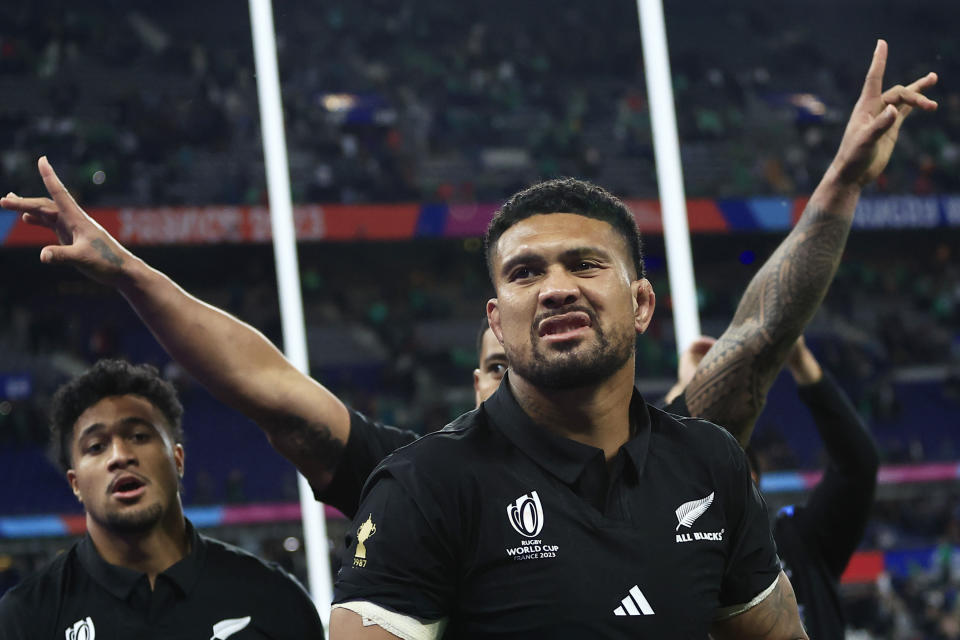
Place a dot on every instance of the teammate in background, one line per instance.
(491, 363)
(142, 570)
(816, 540)
(336, 448)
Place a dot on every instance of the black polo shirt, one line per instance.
(216, 591)
(369, 442)
(816, 540)
(678, 406)
(509, 530)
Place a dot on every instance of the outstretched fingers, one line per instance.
(900, 96)
(50, 222)
(40, 212)
(924, 83)
(55, 187)
(906, 98)
(873, 85)
(38, 207)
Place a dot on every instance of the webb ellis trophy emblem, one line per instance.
(366, 530)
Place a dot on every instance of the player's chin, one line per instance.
(136, 518)
(568, 345)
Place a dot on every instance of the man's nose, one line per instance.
(559, 289)
(121, 454)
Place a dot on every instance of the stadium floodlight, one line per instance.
(288, 276)
(666, 148)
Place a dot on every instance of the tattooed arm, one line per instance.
(303, 420)
(731, 382)
(776, 617)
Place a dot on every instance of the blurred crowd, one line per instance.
(392, 328)
(918, 596)
(422, 101)
(419, 100)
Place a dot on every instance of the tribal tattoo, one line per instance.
(731, 383)
(310, 445)
(777, 616)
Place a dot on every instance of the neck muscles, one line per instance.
(598, 415)
(151, 552)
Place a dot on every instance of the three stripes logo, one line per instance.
(635, 604)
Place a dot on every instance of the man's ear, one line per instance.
(644, 302)
(178, 457)
(72, 479)
(493, 319)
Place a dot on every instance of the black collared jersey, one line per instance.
(216, 591)
(506, 529)
(369, 442)
(816, 540)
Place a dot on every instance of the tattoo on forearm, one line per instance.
(106, 252)
(307, 444)
(776, 615)
(732, 381)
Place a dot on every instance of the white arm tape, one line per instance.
(400, 625)
(734, 610)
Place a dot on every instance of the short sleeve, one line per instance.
(398, 554)
(368, 444)
(752, 564)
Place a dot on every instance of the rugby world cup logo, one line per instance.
(81, 630)
(526, 515)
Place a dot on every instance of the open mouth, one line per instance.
(563, 326)
(127, 487)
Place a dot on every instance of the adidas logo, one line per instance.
(635, 604)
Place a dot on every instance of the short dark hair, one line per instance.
(104, 379)
(567, 195)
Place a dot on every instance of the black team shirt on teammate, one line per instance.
(507, 529)
(216, 591)
(817, 539)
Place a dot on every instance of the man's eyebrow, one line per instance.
(527, 257)
(582, 252)
(130, 421)
(133, 421)
(91, 429)
(495, 357)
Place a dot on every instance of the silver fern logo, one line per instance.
(226, 628)
(688, 512)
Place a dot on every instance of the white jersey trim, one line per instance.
(400, 625)
(734, 610)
